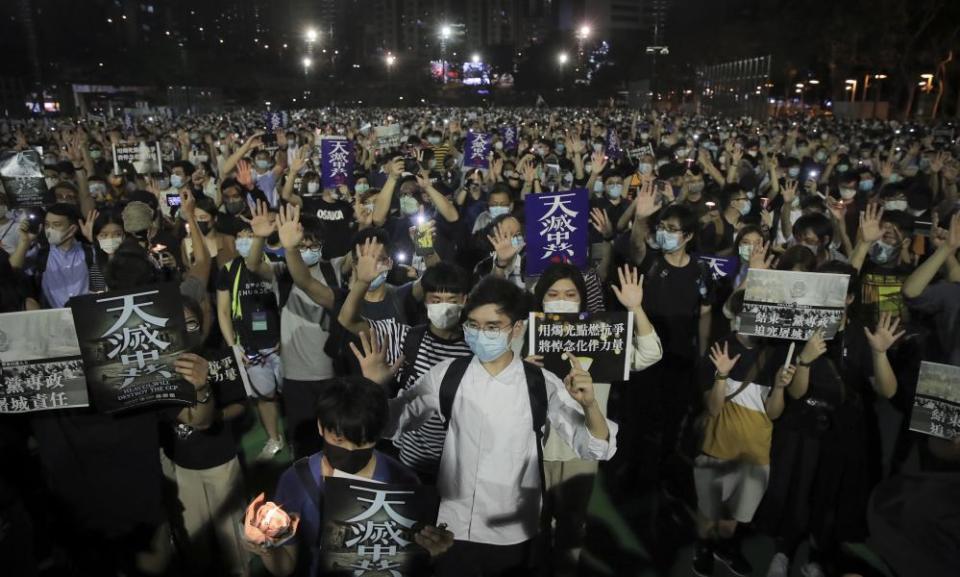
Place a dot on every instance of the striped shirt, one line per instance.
(420, 448)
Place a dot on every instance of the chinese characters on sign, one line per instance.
(21, 174)
(556, 229)
(720, 266)
(613, 149)
(388, 137)
(369, 528)
(130, 340)
(792, 305)
(144, 158)
(226, 368)
(40, 365)
(509, 135)
(275, 120)
(476, 151)
(337, 157)
(936, 407)
(602, 343)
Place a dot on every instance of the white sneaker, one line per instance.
(270, 449)
(812, 569)
(779, 566)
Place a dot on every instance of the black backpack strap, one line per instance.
(451, 384)
(411, 344)
(537, 389)
(310, 485)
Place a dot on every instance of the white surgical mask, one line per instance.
(312, 187)
(110, 245)
(54, 236)
(310, 256)
(444, 316)
(895, 205)
(558, 307)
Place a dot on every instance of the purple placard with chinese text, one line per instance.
(613, 148)
(337, 160)
(557, 229)
(476, 153)
(510, 135)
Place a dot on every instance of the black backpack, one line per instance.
(536, 389)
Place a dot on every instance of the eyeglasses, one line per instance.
(488, 331)
(667, 228)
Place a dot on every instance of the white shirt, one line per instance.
(489, 479)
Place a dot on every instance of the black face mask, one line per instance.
(346, 460)
(204, 227)
(234, 206)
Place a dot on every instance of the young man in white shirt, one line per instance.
(490, 480)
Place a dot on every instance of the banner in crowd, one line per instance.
(613, 149)
(556, 229)
(21, 174)
(388, 137)
(275, 120)
(720, 266)
(40, 363)
(145, 158)
(369, 527)
(129, 340)
(226, 369)
(936, 406)
(601, 342)
(783, 304)
(511, 137)
(337, 158)
(476, 151)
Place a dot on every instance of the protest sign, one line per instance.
(21, 174)
(129, 341)
(784, 304)
(936, 406)
(369, 528)
(476, 151)
(337, 157)
(510, 135)
(144, 157)
(40, 364)
(388, 137)
(275, 120)
(720, 266)
(556, 229)
(602, 343)
(612, 146)
(226, 369)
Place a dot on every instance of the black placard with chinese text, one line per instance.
(602, 343)
(225, 368)
(368, 527)
(129, 341)
(21, 174)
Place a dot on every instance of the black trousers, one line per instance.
(299, 407)
(467, 559)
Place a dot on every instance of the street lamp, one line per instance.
(584, 32)
(307, 63)
(311, 35)
(928, 84)
(562, 58)
(390, 60)
(852, 86)
(475, 58)
(445, 32)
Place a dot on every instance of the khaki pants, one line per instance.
(569, 486)
(212, 499)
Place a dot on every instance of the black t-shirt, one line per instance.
(336, 222)
(614, 212)
(193, 449)
(672, 298)
(711, 242)
(253, 306)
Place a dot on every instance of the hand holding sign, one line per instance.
(814, 348)
(579, 383)
(436, 540)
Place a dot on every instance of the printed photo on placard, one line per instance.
(936, 406)
(783, 304)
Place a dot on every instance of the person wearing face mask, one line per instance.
(561, 289)
(350, 414)
(62, 267)
(249, 318)
(265, 172)
(815, 231)
(716, 237)
(233, 198)
(421, 347)
(499, 203)
(883, 259)
(108, 232)
(334, 213)
(9, 225)
(203, 463)
(491, 478)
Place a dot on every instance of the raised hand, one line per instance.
(761, 258)
(373, 360)
(579, 383)
(503, 245)
(785, 376)
(630, 291)
(599, 161)
(814, 348)
(367, 266)
(245, 174)
(187, 203)
(936, 163)
(870, 230)
(261, 223)
(647, 202)
(86, 225)
(885, 334)
(720, 357)
(289, 228)
(299, 159)
(601, 223)
(789, 191)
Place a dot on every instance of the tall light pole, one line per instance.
(562, 59)
(852, 87)
(444, 36)
(390, 60)
(307, 63)
(582, 34)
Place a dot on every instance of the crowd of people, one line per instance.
(373, 353)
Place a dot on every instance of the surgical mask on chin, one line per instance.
(378, 282)
(350, 462)
(176, 181)
(668, 241)
(484, 347)
(313, 187)
(444, 316)
(895, 205)
(558, 307)
(496, 211)
(310, 256)
(110, 245)
(243, 245)
(882, 253)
